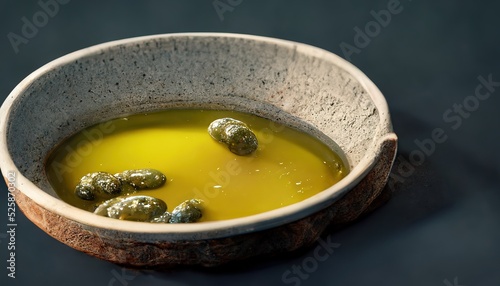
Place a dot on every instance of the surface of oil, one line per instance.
(288, 166)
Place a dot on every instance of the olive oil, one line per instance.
(287, 167)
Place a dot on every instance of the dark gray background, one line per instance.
(442, 225)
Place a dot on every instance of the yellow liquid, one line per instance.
(288, 166)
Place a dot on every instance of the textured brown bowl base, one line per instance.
(365, 197)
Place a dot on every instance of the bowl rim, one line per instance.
(201, 230)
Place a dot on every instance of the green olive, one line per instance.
(241, 140)
(235, 134)
(102, 208)
(97, 184)
(142, 178)
(188, 211)
(133, 208)
(164, 218)
(216, 128)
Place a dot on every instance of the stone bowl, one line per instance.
(295, 84)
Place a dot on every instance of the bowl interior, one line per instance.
(295, 84)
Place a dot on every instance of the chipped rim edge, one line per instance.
(203, 230)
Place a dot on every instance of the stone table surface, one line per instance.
(437, 63)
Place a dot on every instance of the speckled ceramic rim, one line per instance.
(203, 230)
